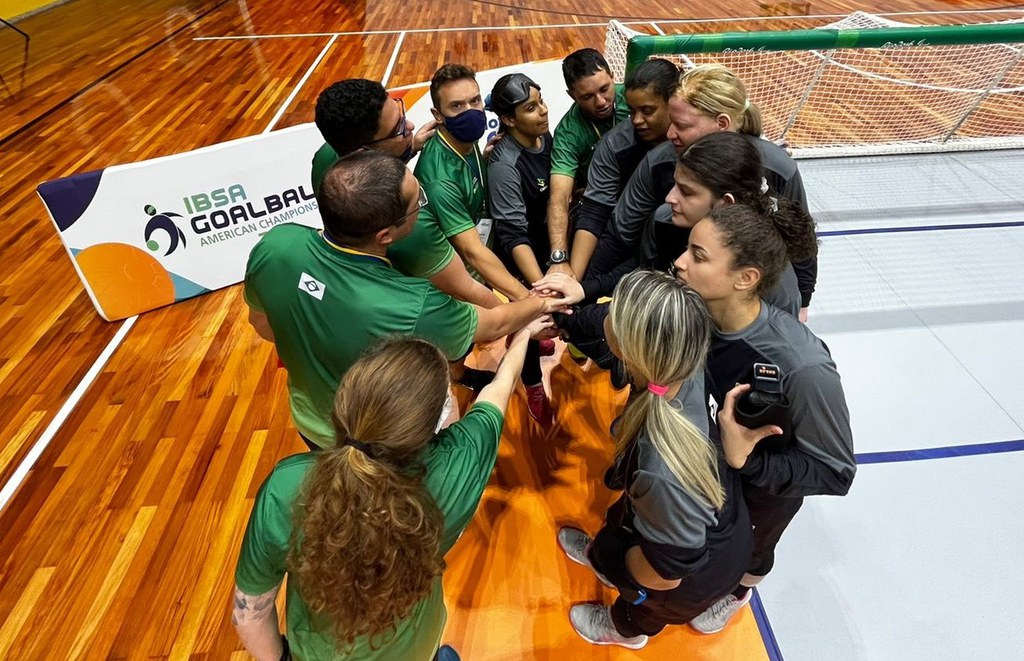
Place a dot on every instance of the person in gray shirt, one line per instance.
(648, 89)
(518, 188)
(734, 255)
(717, 170)
(679, 537)
(710, 99)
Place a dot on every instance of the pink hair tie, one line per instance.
(657, 389)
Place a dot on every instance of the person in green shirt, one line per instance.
(324, 296)
(357, 114)
(361, 530)
(599, 104)
(454, 174)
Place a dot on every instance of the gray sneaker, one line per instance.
(593, 622)
(575, 543)
(715, 618)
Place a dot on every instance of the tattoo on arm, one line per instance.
(249, 608)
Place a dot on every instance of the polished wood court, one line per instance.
(121, 541)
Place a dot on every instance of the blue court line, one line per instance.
(922, 228)
(771, 645)
(940, 453)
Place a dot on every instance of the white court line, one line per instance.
(62, 414)
(391, 62)
(302, 81)
(556, 26)
(656, 28)
(72, 401)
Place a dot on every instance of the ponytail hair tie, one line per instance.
(764, 185)
(658, 390)
(359, 445)
(746, 105)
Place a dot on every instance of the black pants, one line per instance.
(531, 373)
(728, 552)
(769, 515)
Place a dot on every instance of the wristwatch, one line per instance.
(558, 257)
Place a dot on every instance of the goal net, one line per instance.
(864, 84)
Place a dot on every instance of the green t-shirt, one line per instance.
(422, 254)
(576, 136)
(459, 462)
(456, 191)
(325, 305)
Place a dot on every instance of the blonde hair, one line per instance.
(663, 332)
(366, 548)
(715, 90)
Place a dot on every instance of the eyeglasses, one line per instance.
(515, 91)
(420, 203)
(401, 129)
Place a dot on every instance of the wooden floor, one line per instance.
(121, 541)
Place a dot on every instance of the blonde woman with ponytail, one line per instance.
(361, 529)
(680, 535)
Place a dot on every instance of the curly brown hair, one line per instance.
(367, 548)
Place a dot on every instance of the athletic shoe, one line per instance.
(593, 622)
(537, 402)
(475, 379)
(715, 618)
(547, 347)
(575, 543)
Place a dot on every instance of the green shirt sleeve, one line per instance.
(261, 561)
(448, 207)
(424, 252)
(446, 322)
(574, 137)
(459, 465)
(323, 159)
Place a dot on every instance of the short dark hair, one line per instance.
(448, 73)
(348, 113)
(581, 64)
(657, 74)
(362, 194)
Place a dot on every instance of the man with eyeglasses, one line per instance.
(324, 296)
(357, 114)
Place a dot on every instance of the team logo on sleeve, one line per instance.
(312, 286)
(542, 184)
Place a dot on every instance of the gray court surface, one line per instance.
(921, 301)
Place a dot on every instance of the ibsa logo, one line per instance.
(163, 222)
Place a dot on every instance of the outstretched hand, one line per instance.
(542, 328)
(739, 441)
(561, 284)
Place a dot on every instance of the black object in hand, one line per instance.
(764, 403)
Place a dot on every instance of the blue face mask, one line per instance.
(467, 126)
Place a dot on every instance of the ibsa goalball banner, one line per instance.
(148, 234)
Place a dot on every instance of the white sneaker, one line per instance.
(575, 542)
(593, 622)
(715, 618)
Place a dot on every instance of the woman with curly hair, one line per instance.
(361, 529)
